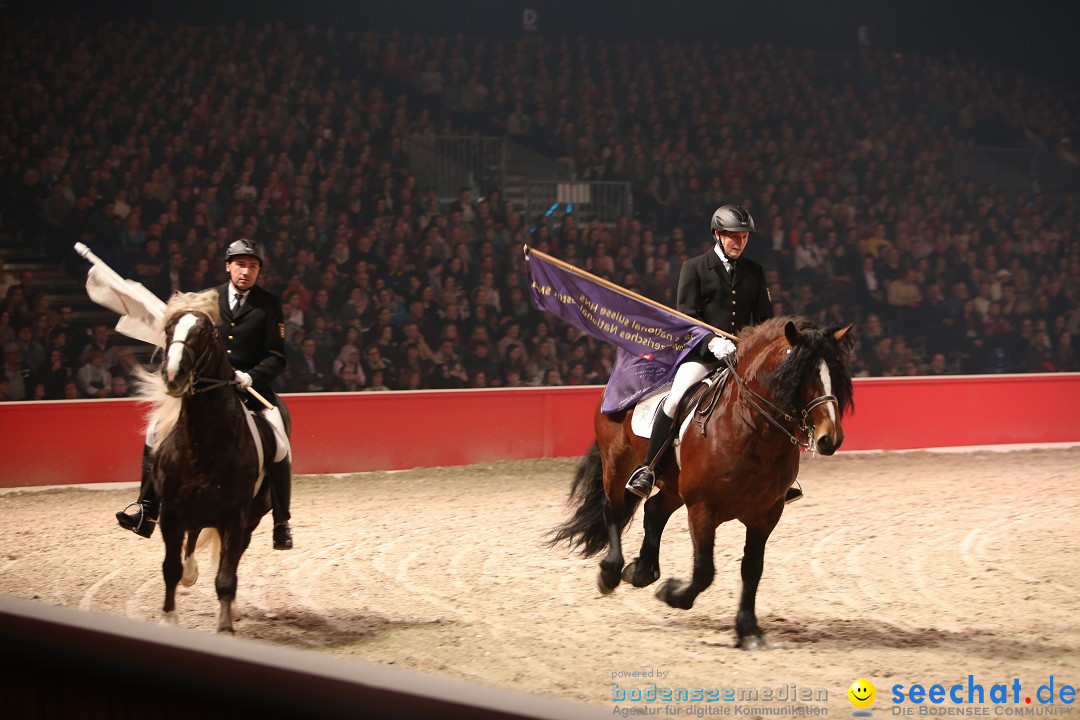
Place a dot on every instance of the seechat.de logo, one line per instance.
(862, 694)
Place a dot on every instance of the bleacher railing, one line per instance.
(588, 200)
(449, 163)
(1012, 170)
(1019, 170)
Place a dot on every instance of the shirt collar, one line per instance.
(728, 263)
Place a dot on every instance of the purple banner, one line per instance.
(651, 341)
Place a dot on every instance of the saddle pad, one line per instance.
(641, 421)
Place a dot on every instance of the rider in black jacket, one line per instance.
(252, 327)
(727, 291)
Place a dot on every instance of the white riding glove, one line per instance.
(721, 347)
(243, 379)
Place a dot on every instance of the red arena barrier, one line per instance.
(64, 442)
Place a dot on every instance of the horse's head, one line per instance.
(191, 339)
(814, 380)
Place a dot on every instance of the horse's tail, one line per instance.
(586, 528)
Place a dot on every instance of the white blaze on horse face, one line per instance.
(176, 347)
(826, 387)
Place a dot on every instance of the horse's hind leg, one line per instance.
(611, 566)
(680, 593)
(232, 546)
(645, 568)
(171, 568)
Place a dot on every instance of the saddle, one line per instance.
(696, 407)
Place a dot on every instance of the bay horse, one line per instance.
(789, 388)
(206, 466)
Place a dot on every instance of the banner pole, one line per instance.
(623, 291)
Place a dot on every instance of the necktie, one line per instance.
(238, 300)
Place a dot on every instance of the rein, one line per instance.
(804, 425)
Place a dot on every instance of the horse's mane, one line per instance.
(150, 386)
(204, 302)
(786, 378)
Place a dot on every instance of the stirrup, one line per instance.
(641, 482)
(793, 494)
(137, 522)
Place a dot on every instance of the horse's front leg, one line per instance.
(645, 568)
(172, 567)
(681, 593)
(747, 630)
(232, 547)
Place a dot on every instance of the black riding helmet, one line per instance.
(732, 218)
(243, 246)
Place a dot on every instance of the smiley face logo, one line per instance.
(862, 693)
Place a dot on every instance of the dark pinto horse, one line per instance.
(206, 466)
(790, 387)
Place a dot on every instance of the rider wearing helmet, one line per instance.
(725, 290)
(252, 326)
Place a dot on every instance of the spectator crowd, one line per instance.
(158, 146)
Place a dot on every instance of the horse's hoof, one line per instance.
(636, 574)
(675, 593)
(602, 586)
(225, 615)
(191, 572)
(752, 642)
(228, 630)
(170, 618)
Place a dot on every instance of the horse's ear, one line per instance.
(842, 333)
(792, 333)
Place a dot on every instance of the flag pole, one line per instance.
(623, 291)
(88, 254)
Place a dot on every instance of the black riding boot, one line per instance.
(280, 497)
(142, 521)
(641, 482)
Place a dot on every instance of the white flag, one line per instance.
(140, 310)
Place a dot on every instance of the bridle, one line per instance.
(196, 383)
(804, 426)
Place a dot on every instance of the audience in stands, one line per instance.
(299, 140)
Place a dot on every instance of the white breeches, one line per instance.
(688, 374)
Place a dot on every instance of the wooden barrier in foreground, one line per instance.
(64, 663)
